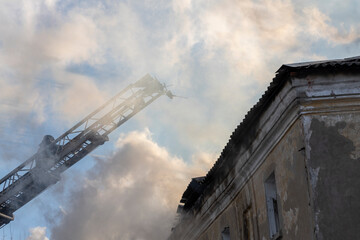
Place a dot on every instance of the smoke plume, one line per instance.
(131, 195)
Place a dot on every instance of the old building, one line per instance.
(291, 169)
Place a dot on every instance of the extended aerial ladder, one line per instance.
(54, 156)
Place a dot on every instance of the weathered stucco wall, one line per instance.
(334, 173)
(246, 216)
(308, 135)
(287, 160)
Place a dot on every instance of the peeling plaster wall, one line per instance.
(237, 216)
(287, 160)
(309, 136)
(246, 215)
(334, 173)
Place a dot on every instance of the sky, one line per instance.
(59, 60)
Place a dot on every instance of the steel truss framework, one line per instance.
(32, 177)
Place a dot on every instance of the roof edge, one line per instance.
(251, 119)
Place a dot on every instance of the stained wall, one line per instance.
(334, 173)
(246, 216)
(309, 137)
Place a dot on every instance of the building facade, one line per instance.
(291, 169)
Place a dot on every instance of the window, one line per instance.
(272, 206)
(225, 234)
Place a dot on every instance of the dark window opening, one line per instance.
(272, 206)
(225, 234)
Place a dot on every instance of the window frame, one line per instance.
(272, 207)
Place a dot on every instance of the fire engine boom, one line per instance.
(54, 156)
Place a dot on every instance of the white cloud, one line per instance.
(77, 97)
(38, 233)
(37, 41)
(320, 26)
(75, 41)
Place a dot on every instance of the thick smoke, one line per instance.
(130, 195)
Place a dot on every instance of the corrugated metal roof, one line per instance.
(347, 62)
(244, 130)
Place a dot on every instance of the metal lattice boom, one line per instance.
(56, 155)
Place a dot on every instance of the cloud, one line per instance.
(132, 194)
(39, 35)
(320, 26)
(37, 42)
(77, 97)
(224, 54)
(74, 41)
(250, 33)
(37, 233)
(221, 53)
